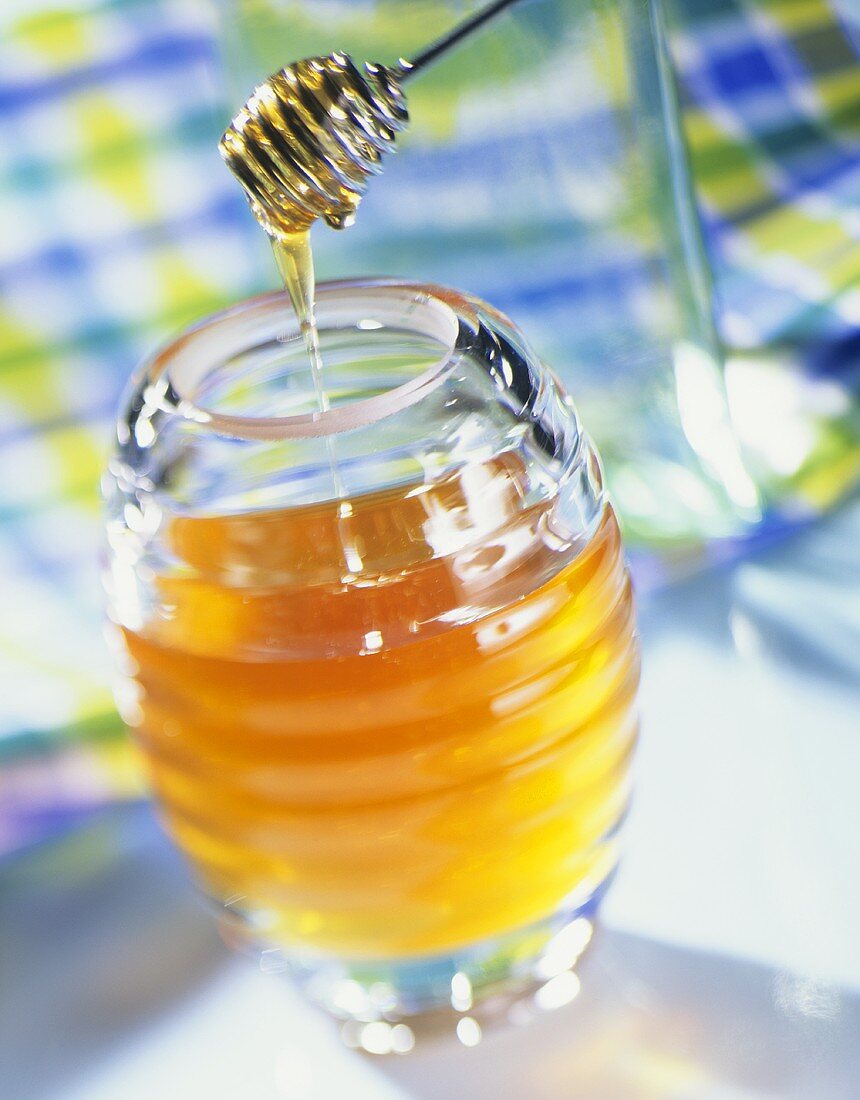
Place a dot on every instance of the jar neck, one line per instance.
(423, 383)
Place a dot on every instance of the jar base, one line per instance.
(387, 1006)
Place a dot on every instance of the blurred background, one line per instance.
(667, 203)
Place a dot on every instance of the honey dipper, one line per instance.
(309, 138)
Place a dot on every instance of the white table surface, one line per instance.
(727, 966)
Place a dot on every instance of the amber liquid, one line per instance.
(376, 769)
(294, 258)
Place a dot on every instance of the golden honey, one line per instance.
(357, 767)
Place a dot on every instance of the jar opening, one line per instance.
(246, 374)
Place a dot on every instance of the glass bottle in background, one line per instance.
(544, 170)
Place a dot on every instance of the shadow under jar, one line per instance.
(381, 659)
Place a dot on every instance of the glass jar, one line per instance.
(381, 659)
(544, 169)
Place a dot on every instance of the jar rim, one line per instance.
(191, 357)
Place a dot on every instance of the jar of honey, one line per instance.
(381, 658)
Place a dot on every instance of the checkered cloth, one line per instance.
(771, 98)
(770, 92)
(119, 226)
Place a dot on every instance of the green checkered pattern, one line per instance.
(771, 98)
(119, 227)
